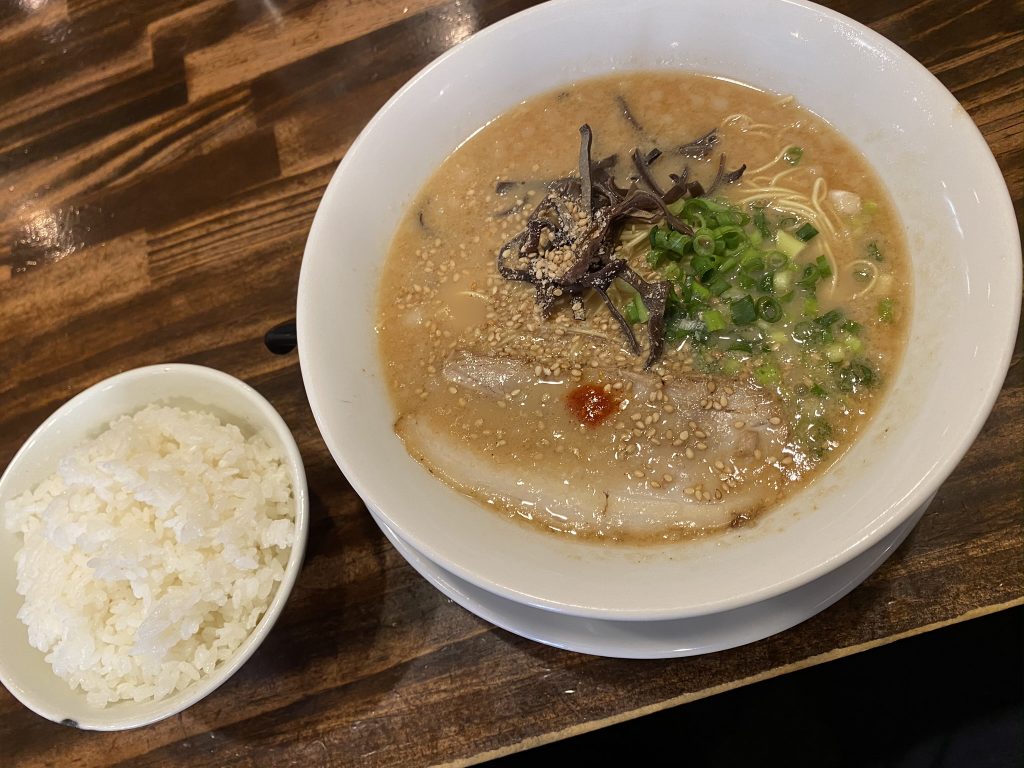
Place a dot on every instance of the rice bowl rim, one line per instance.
(182, 382)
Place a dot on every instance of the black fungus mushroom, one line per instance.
(568, 246)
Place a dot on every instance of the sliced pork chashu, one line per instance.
(688, 453)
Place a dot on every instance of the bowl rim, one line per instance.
(885, 521)
(200, 689)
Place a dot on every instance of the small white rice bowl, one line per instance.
(155, 549)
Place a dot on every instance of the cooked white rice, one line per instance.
(152, 553)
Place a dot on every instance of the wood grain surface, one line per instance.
(160, 165)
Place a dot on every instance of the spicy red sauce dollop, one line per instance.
(591, 404)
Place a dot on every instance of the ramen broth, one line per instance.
(773, 357)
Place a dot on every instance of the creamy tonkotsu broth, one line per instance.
(781, 297)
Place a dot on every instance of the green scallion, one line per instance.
(761, 224)
(793, 155)
(752, 261)
(854, 377)
(713, 320)
(700, 292)
(767, 374)
(829, 318)
(718, 286)
(805, 232)
(655, 257)
(731, 366)
(824, 269)
(835, 353)
(782, 282)
(805, 332)
(704, 242)
(641, 309)
(809, 278)
(630, 313)
(885, 310)
(743, 310)
(669, 240)
(851, 327)
(703, 265)
(788, 244)
(768, 309)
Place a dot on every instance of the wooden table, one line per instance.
(161, 163)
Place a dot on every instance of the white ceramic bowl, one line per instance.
(966, 271)
(23, 669)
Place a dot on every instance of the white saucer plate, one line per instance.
(657, 639)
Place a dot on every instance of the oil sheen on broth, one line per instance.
(784, 320)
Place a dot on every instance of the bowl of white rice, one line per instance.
(151, 531)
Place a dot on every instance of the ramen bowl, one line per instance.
(959, 226)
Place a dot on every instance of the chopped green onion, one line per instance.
(853, 344)
(669, 240)
(636, 311)
(805, 332)
(732, 236)
(788, 244)
(746, 281)
(740, 345)
(699, 291)
(806, 232)
(767, 375)
(703, 264)
(885, 310)
(629, 312)
(713, 320)
(728, 265)
(782, 282)
(793, 155)
(810, 307)
(818, 391)
(855, 377)
(817, 433)
(768, 309)
(718, 286)
(851, 327)
(731, 366)
(752, 261)
(835, 353)
(743, 310)
(874, 252)
(641, 309)
(829, 318)
(823, 267)
(655, 257)
(810, 277)
(775, 260)
(761, 224)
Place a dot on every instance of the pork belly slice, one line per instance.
(708, 481)
(542, 493)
